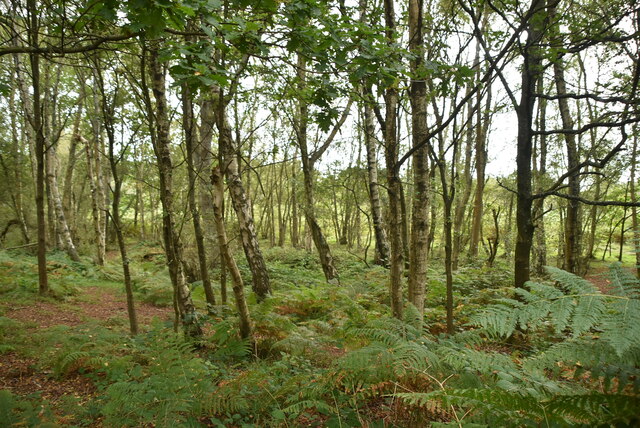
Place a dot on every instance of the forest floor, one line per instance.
(103, 304)
(60, 356)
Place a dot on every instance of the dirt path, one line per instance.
(21, 376)
(98, 303)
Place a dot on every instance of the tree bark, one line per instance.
(62, 227)
(108, 106)
(228, 260)
(531, 68)
(540, 252)
(188, 125)
(463, 199)
(43, 283)
(419, 214)
(173, 246)
(380, 234)
(635, 221)
(241, 205)
(573, 229)
(95, 176)
(324, 252)
(393, 180)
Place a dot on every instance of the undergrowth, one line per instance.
(555, 353)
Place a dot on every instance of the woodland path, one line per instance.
(21, 375)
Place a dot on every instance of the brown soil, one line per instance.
(600, 278)
(20, 375)
(102, 304)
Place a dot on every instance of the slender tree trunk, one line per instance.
(463, 199)
(635, 222)
(241, 204)
(394, 189)
(17, 143)
(295, 225)
(173, 246)
(538, 205)
(228, 260)
(108, 116)
(188, 124)
(95, 175)
(420, 213)
(202, 160)
(62, 232)
(382, 244)
(622, 224)
(43, 283)
(324, 252)
(62, 226)
(481, 161)
(67, 193)
(524, 219)
(95, 203)
(573, 229)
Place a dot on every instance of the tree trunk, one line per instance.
(635, 222)
(324, 252)
(95, 203)
(108, 116)
(524, 222)
(229, 261)
(394, 189)
(202, 161)
(188, 124)
(173, 246)
(295, 225)
(482, 128)
(67, 192)
(463, 199)
(241, 205)
(573, 230)
(94, 172)
(538, 206)
(420, 213)
(381, 242)
(62, 226)
(43, 283)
